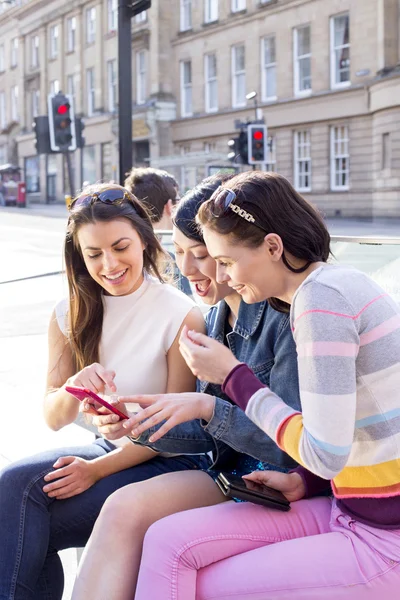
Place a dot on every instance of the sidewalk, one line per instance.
(57, 210)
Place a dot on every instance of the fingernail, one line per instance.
(125, 425)
(151, 439)
(135, 433)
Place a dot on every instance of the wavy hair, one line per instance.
(85, 314)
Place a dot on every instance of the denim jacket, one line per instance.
(261, 337)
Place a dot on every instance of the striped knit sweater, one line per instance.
(347, 334)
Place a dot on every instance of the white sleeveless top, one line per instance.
(138, 330)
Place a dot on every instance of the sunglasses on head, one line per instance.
(109, 196)
(224, 199)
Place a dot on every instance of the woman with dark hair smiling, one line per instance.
(270, 243)
(257, 335)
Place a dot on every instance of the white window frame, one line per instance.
(112, 11)
(14, 103)
(35, 51)
(90, 25)
(236, 74)
(267, 66)
(210, 11)
(2, 58)
(302, 156)
(211, 80)
(297, 58)
(270, 165)
(112, 84)
(340, 152)
(90, 91)
(186, 89)
(185, 14)
(14, 53)
(3, 116)
(54, 86)
(71, 34)
(238, 5)
(141, 77)
(335, 49)
(35, 103)
(54, 41)
(71, 85)
(141, 17)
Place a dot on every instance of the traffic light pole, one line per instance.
(67, 156)
(124, 89)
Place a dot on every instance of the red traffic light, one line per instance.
(258, 134)
(62, 109)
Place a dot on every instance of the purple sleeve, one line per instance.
(241, 384)
(314, 485)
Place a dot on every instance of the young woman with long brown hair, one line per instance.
(117, 332)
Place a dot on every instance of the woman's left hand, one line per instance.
(171, 408)
(208, 359)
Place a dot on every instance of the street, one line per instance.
(31, 250)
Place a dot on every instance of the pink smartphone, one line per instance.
(82, 393)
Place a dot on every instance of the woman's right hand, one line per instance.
(290, 484)
(95, 378)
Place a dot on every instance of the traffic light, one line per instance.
(61, 123)
(238, 148)
(243, 146)
(40, 128)
(257, 144)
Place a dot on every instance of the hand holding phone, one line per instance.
(83, 393)
(243, 489)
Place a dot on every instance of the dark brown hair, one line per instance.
(277, 208)
(154, 187)
(85, 314)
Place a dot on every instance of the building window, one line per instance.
(238, 76)
(210, 68)
(270, 165)
(141, 17)
(54, 86)
(106, 164)
(302, 60)
(3, 119)
(54, 41)
(71, 34)
(237, 5)
(141, 91)
(386, 151)
(2, 58)
(90, 91)
(71, 86)
(14, 52)
(210, 11)
(112, 84)
(340, 158)
(186, 88)
(14, 103)
(112, 7)
(302, 160)
(32, 174)
(91, 25)
(89, 173)
(340, 51)
(35, 103)
(268, 68)
(186, 15)
(34, 51)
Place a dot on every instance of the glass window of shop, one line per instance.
(89, 173)
(32, 174)
(106, 165)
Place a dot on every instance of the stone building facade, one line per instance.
(326, 73)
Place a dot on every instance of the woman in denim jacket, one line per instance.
(257, 335)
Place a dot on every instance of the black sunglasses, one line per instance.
(224, 198)
(109, 196)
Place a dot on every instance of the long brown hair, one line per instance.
(278, 208)
(85, 314)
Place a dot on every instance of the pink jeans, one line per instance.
(244, 551)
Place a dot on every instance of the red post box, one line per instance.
(21, 195)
